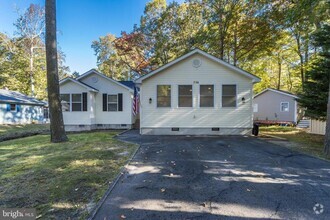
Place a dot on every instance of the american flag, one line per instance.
(136, 101)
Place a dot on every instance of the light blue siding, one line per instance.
(23, 114)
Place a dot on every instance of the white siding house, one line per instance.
(196, 94)
(95, 101)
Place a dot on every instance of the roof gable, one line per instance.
(254, 78)
(69, 79)
(93, 71)
(7, 96)
(277, 91)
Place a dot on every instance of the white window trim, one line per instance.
(81, 102)
(288, 107)
(157, 96)
(112, 102)
(221, 89)
(192, 95)
(199, 96)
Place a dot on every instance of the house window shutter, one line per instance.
(120, 102)
(84, 98)
(8, 107)
(18, 108)
(105, 102)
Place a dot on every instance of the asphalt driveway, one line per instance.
(178, 177)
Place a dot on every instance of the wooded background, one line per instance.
(269, 38)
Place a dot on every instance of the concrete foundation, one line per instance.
(196, 131)
(97, 127)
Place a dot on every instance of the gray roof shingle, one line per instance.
(7, 96)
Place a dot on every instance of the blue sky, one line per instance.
(79, 22)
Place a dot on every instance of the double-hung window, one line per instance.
(65, 102)
(206, 96)
(229, 96)
(185, 96)
(76, 102)
(163, 96)
(13, 107)
(112, 103)
(284, 106)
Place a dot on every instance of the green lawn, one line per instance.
(305, 142)
(11, 129)
(61, 180)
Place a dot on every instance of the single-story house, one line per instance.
(17, 108)
(95, 101)
(275, 105)
(196, 94)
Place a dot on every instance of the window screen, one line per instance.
(206, 96)
(228, 95)
(112, 103)
(12, 107)
(284, 106)
(163, 96)
(76, 102)
(185, 95)
(65, 102)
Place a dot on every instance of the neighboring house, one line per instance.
(95, 101)
(275, 105)
(196, 94)
(17, 108)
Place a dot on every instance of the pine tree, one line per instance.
(56, 117)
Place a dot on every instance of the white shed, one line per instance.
(95, 101)
(196, 94)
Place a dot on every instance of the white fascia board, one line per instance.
(254, 78)
(105, 77)
(79, 83)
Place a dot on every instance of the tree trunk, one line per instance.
(279, 73)
(327, 132)
(235, 45)
(56, 117)
(290, 79)
(221, 32)
(31, 72)
(302, 74)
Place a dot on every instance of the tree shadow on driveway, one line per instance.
(235, 177)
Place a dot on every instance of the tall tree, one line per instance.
(55, 108)
(316, 95)
(23, 57)
(30, 28)
(323, 40)
(109, 61)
